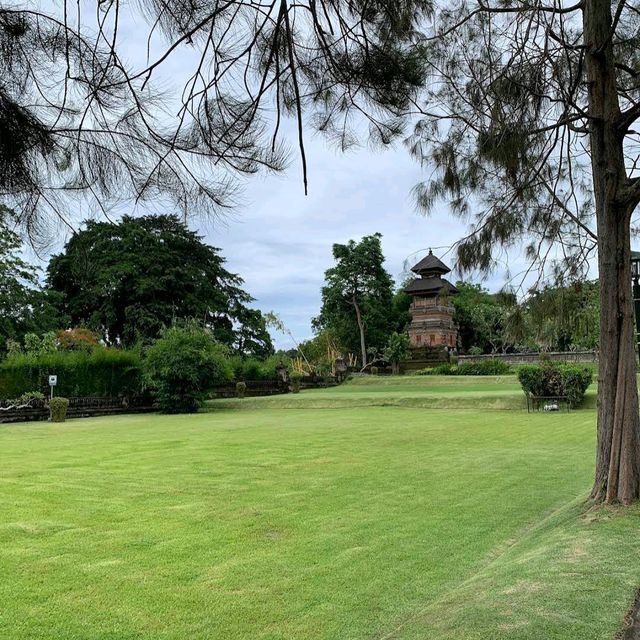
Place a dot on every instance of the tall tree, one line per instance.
(357, 297)
(24, 307)
(540, 100)
(128, 280)
(78, 122)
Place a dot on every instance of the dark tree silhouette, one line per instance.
(77, 123)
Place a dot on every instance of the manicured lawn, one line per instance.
(429, 392)
(305, 524)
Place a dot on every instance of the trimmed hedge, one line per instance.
(489, 367)
(58, 408)
(551, 379)
(101, 372)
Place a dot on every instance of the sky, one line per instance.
(279, 240)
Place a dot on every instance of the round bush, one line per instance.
(241, 389)
(183, 365)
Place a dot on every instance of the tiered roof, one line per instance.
(430, 283)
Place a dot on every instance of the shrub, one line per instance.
(374, 371)
(29, 396)
(102, 372)
(576, 381)
(489, 367)
(183, 365)
(58, 408)
(439, 370)
(532, 379)
(254, 369)
(241, 389)
(551, 379)
(397, 349)
(295, 378)
(475, 351)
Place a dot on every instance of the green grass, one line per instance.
(429, 392)
(305, 524)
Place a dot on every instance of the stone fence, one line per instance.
(534, 358)
(78, 408)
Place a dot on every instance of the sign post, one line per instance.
(53, 381)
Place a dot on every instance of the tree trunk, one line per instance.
(618, 456)
(363, 346)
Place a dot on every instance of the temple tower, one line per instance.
(431, 309)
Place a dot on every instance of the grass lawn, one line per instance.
(355, 522)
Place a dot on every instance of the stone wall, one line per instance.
(534, 358)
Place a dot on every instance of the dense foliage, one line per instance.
(130, 279)
(490, 367)
(397, 349)
(58, 407)
(552, 318)
(357, 299)
(183, 365)
(24, 307)
(255, 369)
(551, 379)
(100, 372)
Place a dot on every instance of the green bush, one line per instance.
(576, 381)
(551, 379)
(101, 372)
(439, 370)
(254, 369)
(241, 389)
(295, 379)
(58, 408)
(183, 365)
(532, 379)
(29, 396)
(490, 367)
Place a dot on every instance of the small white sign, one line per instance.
(53, 381)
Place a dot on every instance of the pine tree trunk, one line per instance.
(363, 346)
(618, 455)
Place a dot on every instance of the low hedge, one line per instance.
(101, 372)
(489, 367)
(552, 379)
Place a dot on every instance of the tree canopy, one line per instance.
(357, 298)
(24, 307)
(79, 122)
(130, 279)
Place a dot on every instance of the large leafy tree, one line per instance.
(130, 279)
(357, 298)
(24, 307)
(539, 101)
(564, 317)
